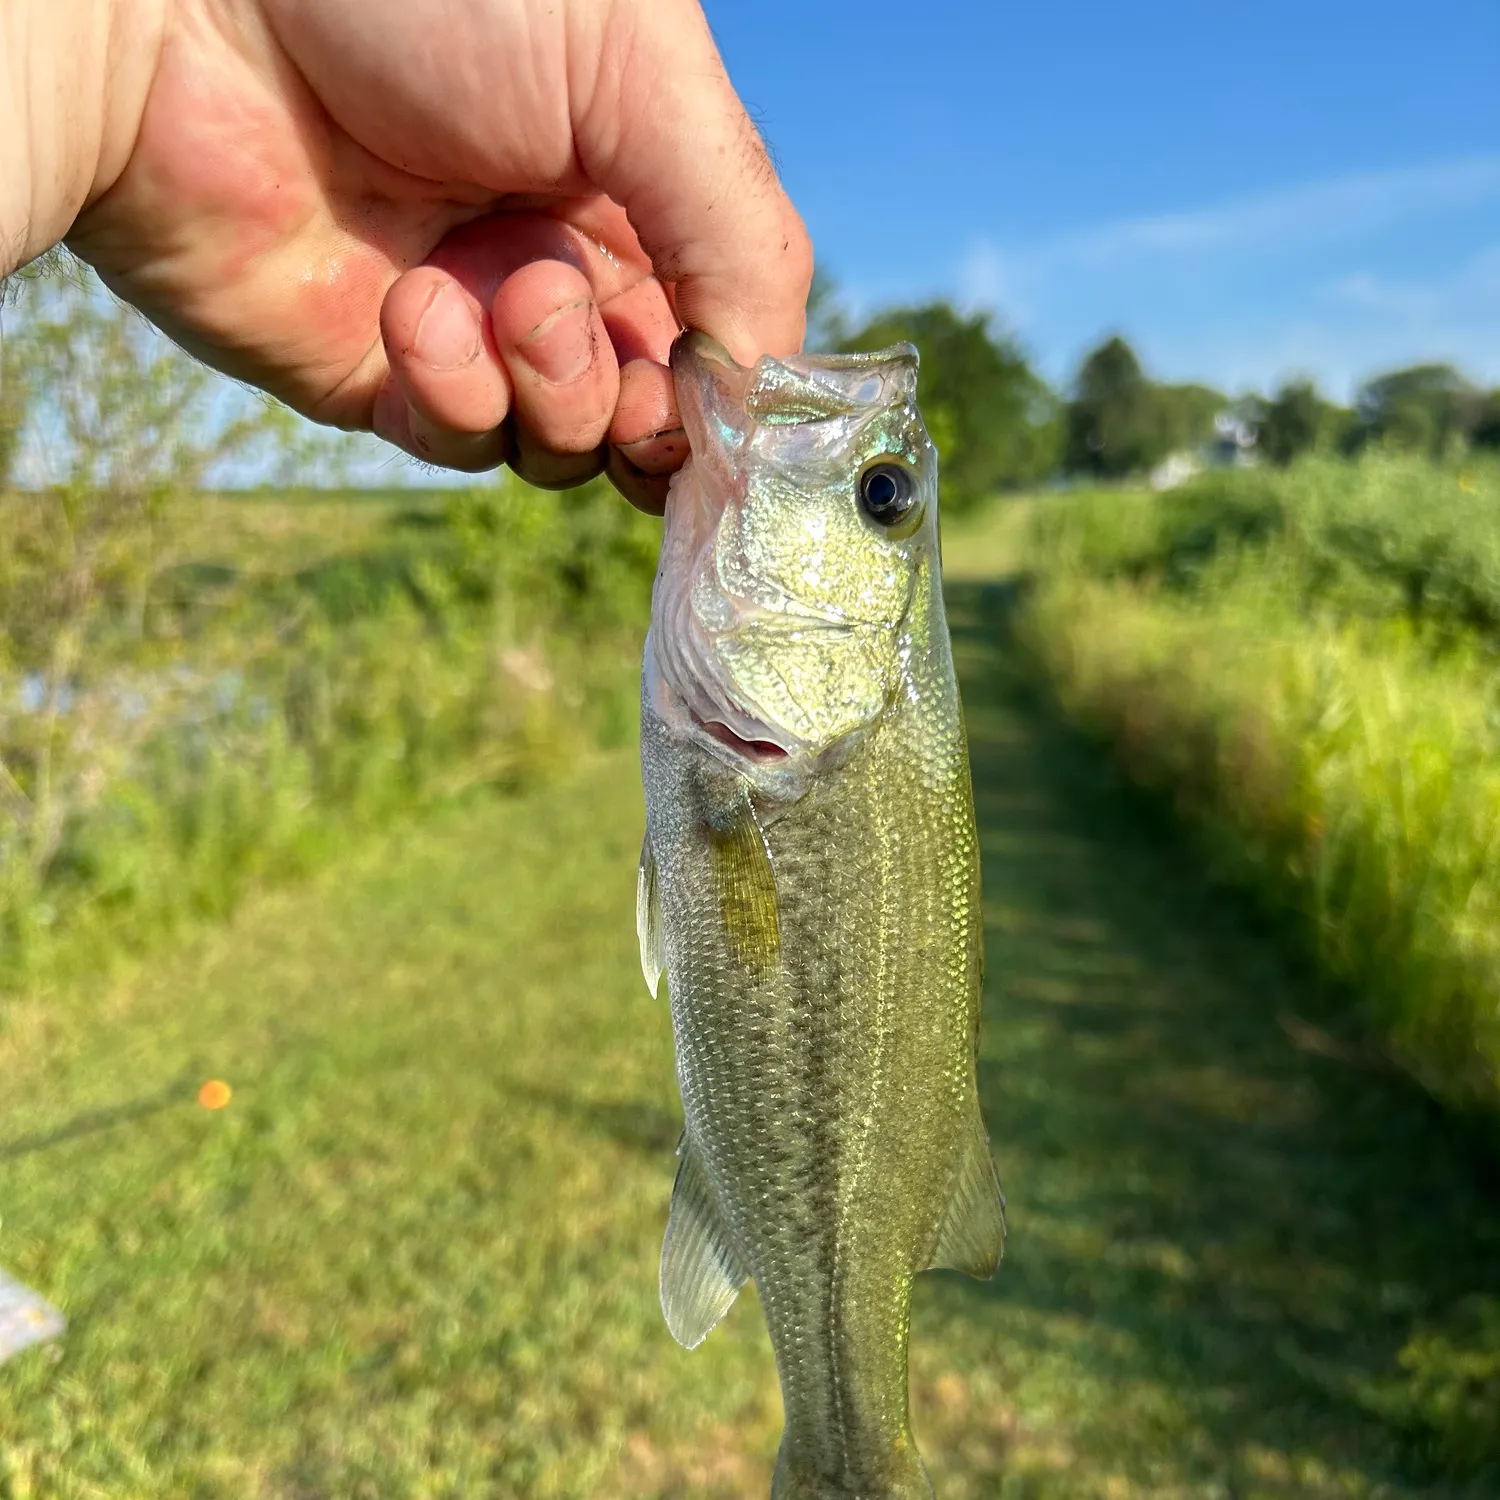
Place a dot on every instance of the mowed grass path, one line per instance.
(416, 1255)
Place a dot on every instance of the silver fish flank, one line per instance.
(810, 887)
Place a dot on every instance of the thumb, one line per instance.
(664, 134)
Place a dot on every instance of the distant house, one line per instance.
(1175, 469)
(1233, 446)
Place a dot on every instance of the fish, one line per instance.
(809, 885)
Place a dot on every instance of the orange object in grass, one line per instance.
(215, 1094)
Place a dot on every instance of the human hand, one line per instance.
(471, 225)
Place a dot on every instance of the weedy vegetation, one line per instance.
(1304, 664)
(415, 1255)
(200, 691)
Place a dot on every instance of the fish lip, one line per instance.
(760, 752)
(727, 732)
(730, 727)
(692, 344)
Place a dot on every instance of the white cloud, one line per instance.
(1191, 289)
(1338, 208)
(1289, 220)
(1473, 290)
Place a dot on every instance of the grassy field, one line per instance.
(415, 1256)
(206, 698)
(1301, 665)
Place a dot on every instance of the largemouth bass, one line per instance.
(810, 886)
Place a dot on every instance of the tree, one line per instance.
(1183, 416)
(15, 389)
(827, 321)
(120, 423)
(1294, 421)
(13, 404)
(1486, 433)
(993, 419)
(1110, 420)
(1422, 409)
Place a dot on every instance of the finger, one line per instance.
(640, 322)
(647, 441)
(442, 352)
(647, 492)
(662, 453)
(589, 234)
(713, 219)
(552, 339)
(395, 421)
(548, 469)
(600, 223)
(471, 452)
(647, 406)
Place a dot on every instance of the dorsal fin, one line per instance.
(700, 1273)
(972, 1238)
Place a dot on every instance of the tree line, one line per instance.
(1000, 426)
(997, 423)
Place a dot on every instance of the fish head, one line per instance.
(800, 549)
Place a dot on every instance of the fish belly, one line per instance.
(827, 1068)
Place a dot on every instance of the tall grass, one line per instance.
(1304, 664)
(221, 725)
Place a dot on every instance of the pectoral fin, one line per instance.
(700, 1273)
(648, 920)
(747, 891)
(972, 1238)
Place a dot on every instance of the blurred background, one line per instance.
(317, 780)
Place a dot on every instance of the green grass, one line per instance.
(415, 1256)
(288, 531)
(1302, 665)
(235, 687)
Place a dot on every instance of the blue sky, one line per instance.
(1243, 192)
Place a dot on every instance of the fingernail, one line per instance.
(447, 336)
(561, 347)
(659, 453)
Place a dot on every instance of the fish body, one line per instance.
(810, 886)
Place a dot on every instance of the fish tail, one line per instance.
(903, 1477)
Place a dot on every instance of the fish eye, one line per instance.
(887, 493)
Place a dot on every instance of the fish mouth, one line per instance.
(730, 732)
(761, 752)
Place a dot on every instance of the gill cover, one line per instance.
(782, 600)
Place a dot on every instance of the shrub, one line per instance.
(242, 723)
(1304, 666)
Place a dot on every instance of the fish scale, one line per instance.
(815, 906)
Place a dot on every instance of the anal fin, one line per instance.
(972, 1238)
(700, 1273)
(648, 919)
